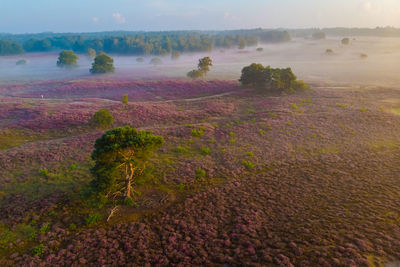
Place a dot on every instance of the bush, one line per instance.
(181, 150)
(21, 62)
(125, 99)
(200, 173)
(197, 133)
(260, 49)
(139, 59)
(102, 119)
(38, 250)
(345, 41)
(195, 74)
(329, 51)
(129, 201)
(156, 61)
(92, 219)
(248, 164)
(44, 229)
(205, 150)
(102, 64)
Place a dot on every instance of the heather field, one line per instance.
(244, 178)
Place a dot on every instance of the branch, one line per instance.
(115, 209)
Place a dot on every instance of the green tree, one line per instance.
(195, 74)
(102, 119)
(125, 99)
(121, 156)
(102, 64)
(205, 64)
(91, 53)
(256, 75)
(67, 59)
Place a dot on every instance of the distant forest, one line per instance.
(138, 43)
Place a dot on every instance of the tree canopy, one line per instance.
(67, 59)
(272, 79)
(10, 48)
(120, 156)
(102, 64)
(102, 119)
(204, 64)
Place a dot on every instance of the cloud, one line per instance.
(95, 19)
(119, 18)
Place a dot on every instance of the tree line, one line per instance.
(143, 43)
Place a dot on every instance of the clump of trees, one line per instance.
(271, 79)
(102, 119)
(121, 156)
(10, 48)
(203, 67)
(67, 59)
(345, 41)
(102, 64)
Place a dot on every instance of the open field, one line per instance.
(310, 179)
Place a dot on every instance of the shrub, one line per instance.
(125, 99)
(21, 62)
(140, 59)
(44, 229)
(156, 61)
(43, 172)
(329, 51)
(181, 187)
(38, 250)
(72, 226)
(294, 106)
(197, 132)
(181, 150)
(129, 201)
(248, 164)
(363, 55)
(73, 167)
(345, 41)
(102, 64)
(195, 74)
(102, 119)
(200, 173)
(205, 150)
(260, 49)
(92, 219)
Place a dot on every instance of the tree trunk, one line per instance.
(128, 190)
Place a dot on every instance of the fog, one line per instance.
(307, 58)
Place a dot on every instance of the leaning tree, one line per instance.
(120, 157)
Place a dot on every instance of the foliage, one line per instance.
(200, 173)
(249, 165)
(272, 79)
(67, 59)
(195, 74)
(156, 61)
(21, 62)
(125, 99)
(121, 153)
(204, 64)
(102, 119)
(102, 64)
(329, 51)
(260, 49)
(92, 218)
(91, 53)
(10, 48)
(197, 132)
(205, 150)
(38, 250)
(140, 59)
(345, 41)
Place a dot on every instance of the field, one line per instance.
(244, 177)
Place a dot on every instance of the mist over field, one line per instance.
(308, 59)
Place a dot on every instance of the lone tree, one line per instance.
(102, 64)
(345, 41)
(67, 59)
(121, 156)
(125, 99)
(202, 68)
(204, 65)
(272, 79)
(102, 119)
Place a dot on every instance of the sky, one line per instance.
(29, 16)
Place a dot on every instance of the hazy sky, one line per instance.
(19, 16)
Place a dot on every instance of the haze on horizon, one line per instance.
(25, 16)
